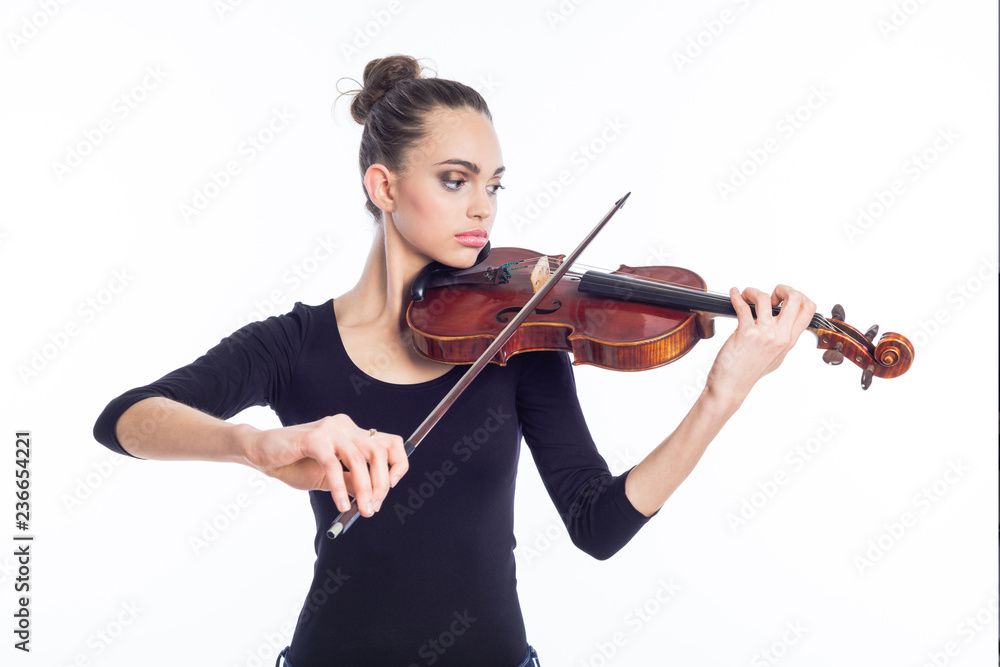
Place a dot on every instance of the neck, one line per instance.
(382, 293)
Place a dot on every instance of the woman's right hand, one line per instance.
(309, 457)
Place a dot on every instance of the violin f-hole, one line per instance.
(502, 316)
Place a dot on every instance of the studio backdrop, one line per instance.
(173, 171)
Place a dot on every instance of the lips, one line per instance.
(474, 238)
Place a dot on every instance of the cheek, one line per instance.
(419, 203)
(425, 212)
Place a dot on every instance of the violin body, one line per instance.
(631, 319)
(610, 333)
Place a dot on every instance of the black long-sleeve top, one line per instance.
(436, 565)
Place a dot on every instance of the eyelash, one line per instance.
(460, 181)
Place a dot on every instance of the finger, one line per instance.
(378, 470)
(798, 308)
(804, 316)
(760, 300)
(332, 460)
(781, 294)
(743, 314)
(334, 476)
(352, 457)
(397, 459)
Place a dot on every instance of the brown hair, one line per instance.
(393, 105)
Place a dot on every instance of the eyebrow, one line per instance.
(474, 168)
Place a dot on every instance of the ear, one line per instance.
(378, 182)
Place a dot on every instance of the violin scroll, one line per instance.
(890, 358)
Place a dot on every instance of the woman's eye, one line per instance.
(454, 184)
(495, 188)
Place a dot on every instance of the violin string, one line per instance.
(528, 265)
(719, 299)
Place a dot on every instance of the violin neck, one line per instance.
(624, 287)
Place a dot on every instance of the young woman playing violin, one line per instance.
(442, 567)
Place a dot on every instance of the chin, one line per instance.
(461, 258)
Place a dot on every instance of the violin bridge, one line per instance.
(540, 273)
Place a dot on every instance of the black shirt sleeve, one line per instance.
(590, 500)
(249, 367)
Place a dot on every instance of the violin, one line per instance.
(511, 301)
(630, 319)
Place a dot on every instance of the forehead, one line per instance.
(463, 134)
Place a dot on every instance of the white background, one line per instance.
(113, 555)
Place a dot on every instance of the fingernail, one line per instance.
(378, 506)
(368, 507)
(393, 481)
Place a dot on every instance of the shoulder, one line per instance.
(287, 330)
(301, 318)
(322, 315)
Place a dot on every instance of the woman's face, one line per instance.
(445, 200)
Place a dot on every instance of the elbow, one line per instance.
(602, 520)
(105, 433)
(106, 428)
(596, 549)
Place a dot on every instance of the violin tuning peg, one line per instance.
(866, 376)
(834, 356)
(838, 312)
(871, 333)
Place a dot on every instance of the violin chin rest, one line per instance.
(419, 287)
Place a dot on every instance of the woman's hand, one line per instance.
(309, 457)
(758, 346)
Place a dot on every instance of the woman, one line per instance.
(428, 577)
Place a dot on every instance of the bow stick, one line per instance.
(345, 519)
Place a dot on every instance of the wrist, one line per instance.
(242, 443)
(718, 403)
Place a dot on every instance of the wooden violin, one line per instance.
(630, 319)
(512, 301)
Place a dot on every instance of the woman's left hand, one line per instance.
(757, 347)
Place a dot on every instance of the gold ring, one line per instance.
(372, 432)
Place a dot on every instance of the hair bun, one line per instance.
(382, 75)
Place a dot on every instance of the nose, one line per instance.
(481, 205)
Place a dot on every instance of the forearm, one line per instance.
(756, 348)
(657, 476)
(162, 429)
